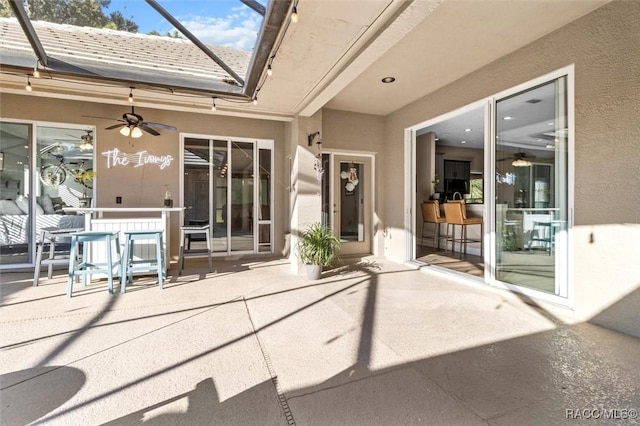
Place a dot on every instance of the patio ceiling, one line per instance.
(337, 53)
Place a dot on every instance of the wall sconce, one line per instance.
(312, 137)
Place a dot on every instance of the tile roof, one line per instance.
(125, 56)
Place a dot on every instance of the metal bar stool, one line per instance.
(185, 234)
(86, 267)
(53, 235)
(131, 265)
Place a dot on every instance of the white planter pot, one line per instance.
(314, 271)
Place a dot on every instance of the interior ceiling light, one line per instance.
(125, 131)
(388, 79)
(467, 129)
(294, 14)
(508, 117)
(521, 162)
(28, 86)
(463, 141)
(131, 95)
(550, 124)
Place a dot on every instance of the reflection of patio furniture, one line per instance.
(87, 267)
(431, 214)
(131, 265)
(544, 233)
(455, 213)
(185, 234)
(53, 235)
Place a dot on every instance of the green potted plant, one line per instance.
(317, 247)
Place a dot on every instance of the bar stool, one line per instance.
(131, 265)
(185, 234)
(86, 267)
(431, 214)
(455, 213)
(53, 235)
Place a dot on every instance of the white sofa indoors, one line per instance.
(14, 219)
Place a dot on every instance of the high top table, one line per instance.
(120, 219)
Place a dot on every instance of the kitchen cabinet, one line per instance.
(454, 169)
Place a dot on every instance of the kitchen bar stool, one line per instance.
(131, 265)
(185, 237)
(85, 267)
(53, 235)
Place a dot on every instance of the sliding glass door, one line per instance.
(531, 188)
(222, 188)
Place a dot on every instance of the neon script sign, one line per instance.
(115, 157)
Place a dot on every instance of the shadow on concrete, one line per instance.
(204, 408)
(624, 315)
(30, 394)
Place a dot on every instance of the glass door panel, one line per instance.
(242, 194)
(16, 218)
(531, 188)
(352, 203)
(219, 187)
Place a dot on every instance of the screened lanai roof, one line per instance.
(218, 47)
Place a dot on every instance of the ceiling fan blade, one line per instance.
(102, 118)
(159, 126)
(115, 126)
(147, 129)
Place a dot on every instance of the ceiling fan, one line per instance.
(87, 140)
(519, 159)
(132, 125)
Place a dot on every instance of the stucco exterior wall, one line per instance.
(603, 45)
(145, 186)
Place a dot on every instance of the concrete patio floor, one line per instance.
(371, 343)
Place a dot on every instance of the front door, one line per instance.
(352, 193)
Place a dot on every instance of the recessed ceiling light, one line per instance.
(467, 130)
(388, 79)
(508, 117)
(463, 141)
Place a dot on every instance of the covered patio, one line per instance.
(373, 342)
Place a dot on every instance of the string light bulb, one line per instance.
(131, 95)
(36, 71)
(213, 104)
(255, 100)
(28, 86)
(294, 14)
(269, 70)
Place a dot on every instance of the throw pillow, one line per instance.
(47, 204)
(23, 204)
(9, 207)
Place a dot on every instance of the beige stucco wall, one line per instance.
(603, 45)
(144, 186)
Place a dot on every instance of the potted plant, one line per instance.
(317, 247)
